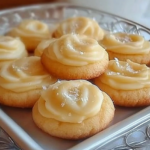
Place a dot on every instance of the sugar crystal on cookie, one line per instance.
(123, 38)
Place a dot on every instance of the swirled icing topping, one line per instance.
(25, 74)
(11, 48)
(70, 101)
(128, 75)
(124, 43)
(42, 46)
(31, 28)
(31, 32)
(75, 50)
(80, 25)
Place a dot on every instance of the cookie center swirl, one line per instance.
(24, 75)
(126, 75)
(7, 42)
(82, 26)
(123, 43)
(32, 28)
(11, 48)
(75, 50)
(70, 101)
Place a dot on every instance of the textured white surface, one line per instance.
(135, 10)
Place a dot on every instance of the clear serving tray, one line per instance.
(18, 123)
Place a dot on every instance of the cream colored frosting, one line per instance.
(70, 101)
(11, 48)
(75, 50)
(25, 74)
(80, 25)
(124, 43)
(32, 28)
(128, 75)
(42, 46)
(31, 32)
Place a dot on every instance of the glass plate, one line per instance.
(18, 122)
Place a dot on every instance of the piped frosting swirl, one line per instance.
(123, 43)
(32, 28)
(75, 50)
(70, 101)
(31, 32)
(128, 75)
(11, 48)
(25, 74)
(80, 25)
